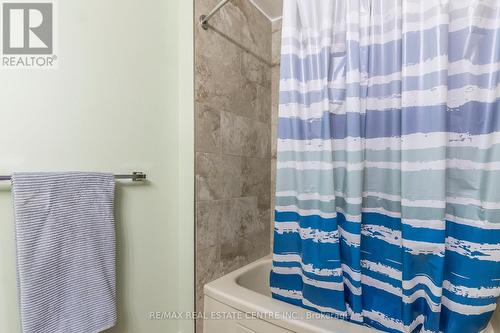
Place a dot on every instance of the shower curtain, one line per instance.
(388, 172)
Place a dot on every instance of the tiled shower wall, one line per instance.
(275, 81)
(233, 140)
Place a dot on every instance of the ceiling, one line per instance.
(271, 8)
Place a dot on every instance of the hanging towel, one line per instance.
(65, 251)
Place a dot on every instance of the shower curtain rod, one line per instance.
(205, 18)
(135, 177)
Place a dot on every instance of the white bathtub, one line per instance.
(241, 302)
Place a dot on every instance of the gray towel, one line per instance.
(65, 251)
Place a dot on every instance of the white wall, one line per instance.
(121, 100)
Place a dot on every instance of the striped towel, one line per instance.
(65, 251)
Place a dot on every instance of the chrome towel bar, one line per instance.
(135, 177)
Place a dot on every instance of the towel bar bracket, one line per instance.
(136, 176)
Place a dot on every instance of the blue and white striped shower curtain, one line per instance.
(388, 183)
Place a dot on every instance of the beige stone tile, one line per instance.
(202, 7)
(265, 212)
(250, 144)
(245, 103)
(260, 29)
(240, 21)
(274, 140)
(252, 241)
(218, 72)
(256, 140)
(220, 82)
(208, 268)
(274, 113)
(255, 32)
(233, 128)
(243, 136)
(240, 218)
(256, 176)
(208, 219)
(269, 76)
(199, 326)
(273, 175)
(275, 81)
(207, 129)
(263, 105)
(254, 69)
(244, 234)
(217, 176)
(208, 181)
(263, 140)
(276, 25)
(230, 173)
(276, 47)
